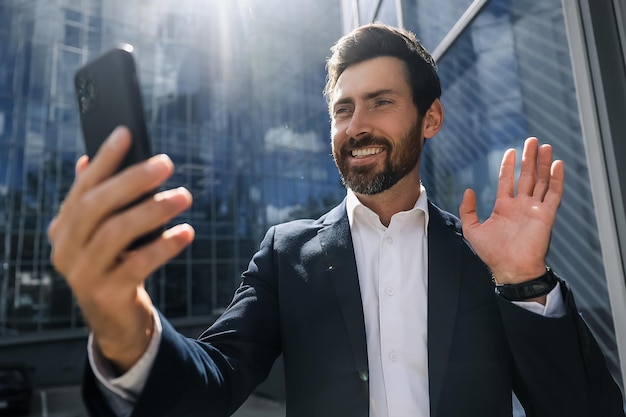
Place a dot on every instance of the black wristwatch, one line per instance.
(529, 289)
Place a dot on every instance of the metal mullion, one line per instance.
(472, 11)
(375, 11)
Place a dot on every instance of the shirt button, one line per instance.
(393, 356)
(389, 240)
(390, 291)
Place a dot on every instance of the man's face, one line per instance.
(376, 131)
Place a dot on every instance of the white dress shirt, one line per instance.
(392, 264)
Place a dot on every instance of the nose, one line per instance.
(359, 124)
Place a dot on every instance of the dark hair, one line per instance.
(377, 39)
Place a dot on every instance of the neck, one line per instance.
(401, 197)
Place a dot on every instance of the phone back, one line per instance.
(109, 95)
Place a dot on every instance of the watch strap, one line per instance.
(529, 289)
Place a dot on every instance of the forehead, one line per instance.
(381, 73)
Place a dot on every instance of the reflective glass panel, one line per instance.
(432, 19)
(232, 92)
(507, 77)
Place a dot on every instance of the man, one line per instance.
(384, 306)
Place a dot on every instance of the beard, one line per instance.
(399, 161)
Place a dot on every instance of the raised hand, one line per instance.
(514, 240)
(89, 236)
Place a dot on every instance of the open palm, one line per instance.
(514, 240)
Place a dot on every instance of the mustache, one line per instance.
(365, 141)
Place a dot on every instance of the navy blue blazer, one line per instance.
(300, 297)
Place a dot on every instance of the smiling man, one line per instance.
(386, 306)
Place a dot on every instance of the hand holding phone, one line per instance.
(109, 96)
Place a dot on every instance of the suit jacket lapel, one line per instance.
(336, 241)
(444, 269)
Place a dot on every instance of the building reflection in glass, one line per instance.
(233, 93)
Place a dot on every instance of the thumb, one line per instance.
(467, 211)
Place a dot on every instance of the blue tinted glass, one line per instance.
(95, 23)
(73, 16)
(366, 9)
(72, 36)
(68, 61)
(388, 12)
(7, 57)
(385, 12)
(507, 77)
(432, 19)
(232, 92)
(5, 126)
(5, 17)
(37, 71)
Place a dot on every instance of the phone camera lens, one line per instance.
(86, 93)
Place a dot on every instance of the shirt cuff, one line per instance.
(129, 385)
(554, 307)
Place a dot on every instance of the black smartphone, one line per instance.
(109, 95)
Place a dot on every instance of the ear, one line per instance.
(433, 119)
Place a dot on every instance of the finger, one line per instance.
(528, 172)
(82, 164)
(139, 264)
(555, 191)
(112, 152)
(101, 202)
(107, 159)
(117, 232)
(467, 211)
(544, 166)
(83, 215)
(506, 179)
(127, 186)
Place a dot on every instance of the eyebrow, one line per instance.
(367, 96)
(378, 93)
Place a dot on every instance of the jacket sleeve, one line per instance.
(559, 367)
(214, 374)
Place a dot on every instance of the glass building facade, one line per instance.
(233, 93)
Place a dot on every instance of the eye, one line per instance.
(382, 102)
(339, 111)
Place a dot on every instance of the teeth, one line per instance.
(366, 152)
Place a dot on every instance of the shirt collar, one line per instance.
(354, 206)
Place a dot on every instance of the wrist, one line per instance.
(534, 289)
(517, 275)
(123, 348)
